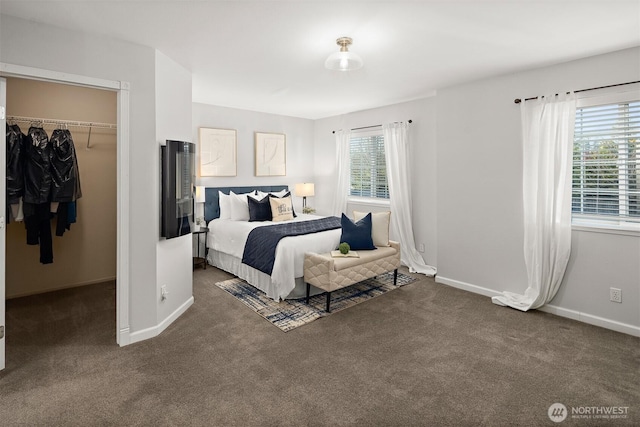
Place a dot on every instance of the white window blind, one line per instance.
(606, 157)
(368, 166)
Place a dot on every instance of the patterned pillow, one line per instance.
(281, 208)
(281, 194)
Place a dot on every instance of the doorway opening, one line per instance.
(122, 332)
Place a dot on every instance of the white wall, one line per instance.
(479, 195)
(299, 144)
(421, 133)
(42, 46)
(466, 168)
(173, 121)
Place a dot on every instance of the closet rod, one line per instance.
(62, 122)
(518, 100)
(373, 126)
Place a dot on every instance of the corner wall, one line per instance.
(173, 258)
(479, 196)
(422, 140)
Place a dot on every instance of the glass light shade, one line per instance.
(305, 189)
(343, 61)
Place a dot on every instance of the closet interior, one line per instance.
(85, 253)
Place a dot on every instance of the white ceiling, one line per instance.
(269, 55)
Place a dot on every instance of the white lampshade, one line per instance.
(304, 189)
(200, 194)
(343, 60)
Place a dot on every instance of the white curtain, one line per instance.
(343, 166)
(397, 156)
(547, 137)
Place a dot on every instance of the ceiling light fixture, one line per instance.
(343, 60)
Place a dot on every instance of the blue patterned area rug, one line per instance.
(290, 314)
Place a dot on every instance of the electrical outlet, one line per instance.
(615, 294)
(421, 247)
(163, 293)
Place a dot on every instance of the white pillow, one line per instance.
(281, 209)
(257, 195)
(260, 195)
(379, 226)
(280, 193)
(239, 207)
(225, 205)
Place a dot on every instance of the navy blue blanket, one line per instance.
(260, 249)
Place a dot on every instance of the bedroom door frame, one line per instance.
(3, 202)
(122, 188)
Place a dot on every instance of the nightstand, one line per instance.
(198, 260)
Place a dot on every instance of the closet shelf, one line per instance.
(62, 122)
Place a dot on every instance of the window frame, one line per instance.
(368, 199)
(592, 224)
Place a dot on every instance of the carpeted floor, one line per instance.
(422, 355)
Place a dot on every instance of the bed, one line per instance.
(226, 242)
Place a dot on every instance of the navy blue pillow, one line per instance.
(259, 210)
(357, 235)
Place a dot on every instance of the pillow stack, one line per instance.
(256, 206)
(367, 231)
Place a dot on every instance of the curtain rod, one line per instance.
(62, 122)
(518, 100)
(373, 126)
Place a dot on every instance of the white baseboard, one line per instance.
(558, 311)
(124, 337)
(592, 320)
(154, 331)
(467, 287)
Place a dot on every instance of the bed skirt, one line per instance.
(255, 277)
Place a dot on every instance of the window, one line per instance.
(368, 166)
(606, 157)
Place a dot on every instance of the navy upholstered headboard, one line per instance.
(212, 203)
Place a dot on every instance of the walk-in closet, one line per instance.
(85, 254)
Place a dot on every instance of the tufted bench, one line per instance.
(330, 274)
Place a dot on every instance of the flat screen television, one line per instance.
(177, 183)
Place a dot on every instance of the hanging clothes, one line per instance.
(37, 192)
(65, 175)
(37, 221)
(15, 170)
(44, 173)
(64, 168)
(37, 176)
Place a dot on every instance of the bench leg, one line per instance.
(308, 291)
(328, 302)
(395, 277)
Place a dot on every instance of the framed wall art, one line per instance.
(218, 156)
(271, 154)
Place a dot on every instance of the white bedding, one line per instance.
(229, 237)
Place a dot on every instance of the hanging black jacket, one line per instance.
(15, 164)
(37, 174)
(64, 167)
